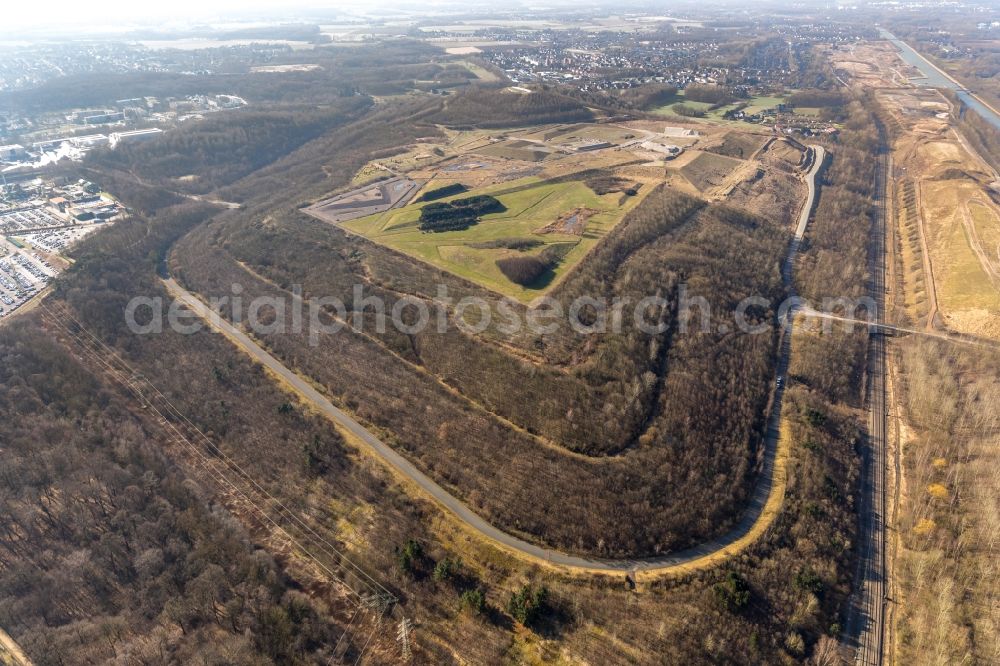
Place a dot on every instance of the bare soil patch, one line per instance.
(573, 222)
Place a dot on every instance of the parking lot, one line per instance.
(29, 218)
(22, 276)
(58, 240)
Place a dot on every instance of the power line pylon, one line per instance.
(403, 638)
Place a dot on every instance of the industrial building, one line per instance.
(83, 142)
(670, 151)
(135, 136)
(591, 144)
(11, 152)
(81, 116)
(105, 118)
(680, 132)
(89, 141)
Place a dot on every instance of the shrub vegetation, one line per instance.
(459, 214)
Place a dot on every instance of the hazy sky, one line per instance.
(120, 14)
(22, 19)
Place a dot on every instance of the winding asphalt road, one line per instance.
(760, 512)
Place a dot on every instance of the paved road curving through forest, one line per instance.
(763, 507)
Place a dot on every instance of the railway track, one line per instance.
(867, 611)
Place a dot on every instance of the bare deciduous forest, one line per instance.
(949, 527)
(109, 549)
(629, 405)
(656, 437)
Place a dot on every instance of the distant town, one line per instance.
(50, 137)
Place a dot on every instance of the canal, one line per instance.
(933, 78)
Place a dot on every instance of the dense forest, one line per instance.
(227, 146)
(385, 69)
(687, 111)
(442, 192)
(776, 575)
(648, 96)
(843, 214)
(629, 424)
(948, 532)
(710, 94)
(329, 162)
(109, 550)
(834, 261)
(808, 584)
(611, 398)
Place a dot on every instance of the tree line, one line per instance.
(492, 107)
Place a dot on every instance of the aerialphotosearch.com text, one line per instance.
(319, 316)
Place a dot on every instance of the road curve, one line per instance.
(760, 513)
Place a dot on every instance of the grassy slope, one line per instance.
(757, 104)
(962, 282)
(481, 73)
(527, 211)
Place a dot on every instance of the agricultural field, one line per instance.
(759, 112)
(566, 216)
(762, 103)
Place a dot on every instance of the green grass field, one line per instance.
(811, 111)
(669, 108)
(756, 105)
(481, 73)
(531, 205)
